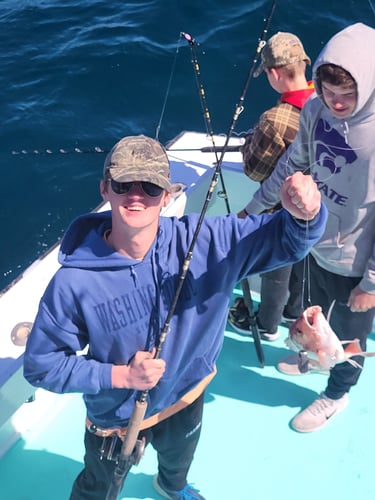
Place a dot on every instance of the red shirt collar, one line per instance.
(298, 97)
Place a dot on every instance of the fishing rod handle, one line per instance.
(131, 435)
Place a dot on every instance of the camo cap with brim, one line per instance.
(139, 158)
(280, 50)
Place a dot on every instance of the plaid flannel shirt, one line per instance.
(271, 137)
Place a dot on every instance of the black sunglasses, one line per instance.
(148, 188)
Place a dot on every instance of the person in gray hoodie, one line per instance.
(335, 143)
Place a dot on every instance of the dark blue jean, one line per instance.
(175, 440)
(326, 287)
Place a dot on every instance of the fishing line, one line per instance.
(97, 149)
(168, 89)
(306, 277)
(305, 285)
(306, 272)
(206, 114)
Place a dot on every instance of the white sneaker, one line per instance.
(315, 416)
(291, 366)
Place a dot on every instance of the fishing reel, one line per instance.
(111, 447)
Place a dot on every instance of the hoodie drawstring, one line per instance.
(345, 126)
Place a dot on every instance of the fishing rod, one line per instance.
(48, 152)
(253, 326)
(42, 152)
(131, 447)
(206, 114)
(239, 107)
(235, 148)
(238, 110)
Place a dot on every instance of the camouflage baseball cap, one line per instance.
(280, 50)
(139, 158)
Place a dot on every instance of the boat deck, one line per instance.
(247, 450)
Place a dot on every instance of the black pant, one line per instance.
(274, 300)
(175, 440)
(326, 287)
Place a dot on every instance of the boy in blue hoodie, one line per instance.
(335, 143)
(119, 272)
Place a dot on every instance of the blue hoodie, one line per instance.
(117, 306)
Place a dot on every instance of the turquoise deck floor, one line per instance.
(247, 450)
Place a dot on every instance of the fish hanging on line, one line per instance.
(312, 335)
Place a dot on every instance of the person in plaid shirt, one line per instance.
(284, 61)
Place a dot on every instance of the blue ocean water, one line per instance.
(82, 74)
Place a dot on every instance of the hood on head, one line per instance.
(353, 49)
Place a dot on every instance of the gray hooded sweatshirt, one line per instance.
(340, 155)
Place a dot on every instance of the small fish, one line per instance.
(312, 334)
